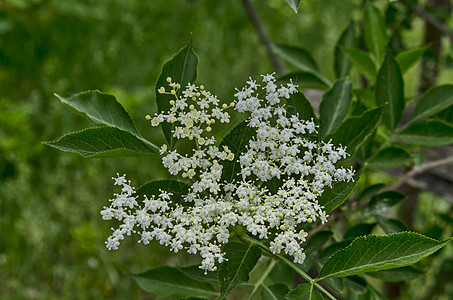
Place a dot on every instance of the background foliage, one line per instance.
(51, 234)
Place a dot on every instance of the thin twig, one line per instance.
(433, 21)
(418, 170)
(263, 37)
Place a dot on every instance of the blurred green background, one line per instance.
(51, 233)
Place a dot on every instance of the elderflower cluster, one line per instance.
(282, 173)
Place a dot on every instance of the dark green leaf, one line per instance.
(102, 142)
(317, 240)
(398, 274)
(376, 295)
(177, 188)
(390, 158)
(375, 253)
(241, 261)
(300, 59)
(342, 63)
(390, 89)
(358, 230)
(354, 130)
(304, 80)
(375, 32)
(369, 192)
(299, 104)
(428, 133)
(334, 106)
(388, 198)
(356, 283)
(408, 58)
(182, 68)
(198, 274)
(281, 273)
(391, 225)
(274, 292)
(166, 281)
(434, 101)
(294, 4)
(334, 248)
(362, 61)
(303, 291)
(235, 140)
(333, 197)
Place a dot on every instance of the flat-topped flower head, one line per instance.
(281, 151)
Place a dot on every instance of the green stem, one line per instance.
(261, 280)
(289, 263)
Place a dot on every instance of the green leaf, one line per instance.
(196, 273)
(235, 140)
(281, 273)
(428, 133)
(317, 240)
(398, 274)
(386, 199)
(297, 103)
(375, 253)
(390, 89)
(294, 4)
(409, 58)
(101, 108)
(300, 59)
(366, 96)
(182, 68)
(274, 292)
(434, 101)
(391, 225)
(334, 106)
(304, 80)
(333, 197)
(334, 248)
(375, 33)
(354, 130)
(167, 281)
(356, 284)
(303, 291)
(362, 61)
(342, 62)
(369, 192)
(241, 261)
(177, 188)
(102, 142)
(358, 230)
(390, 158)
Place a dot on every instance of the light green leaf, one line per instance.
(300, 59)
(167, 281)
(294, 4)
(354, 130)
(241, 261)
(434, 101)
(428, 133)
(303, 291)
(304, 80)
(390, 158)
(375, 253)
(397, 274)
(409, 58)
(102, 142)
(367, 97)
(333, 197)
(390, 89)
(362, 61)
(375, 32)
(274, 292)
(334, 106)
(182, 69)
(177, 188)
(342, 62)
